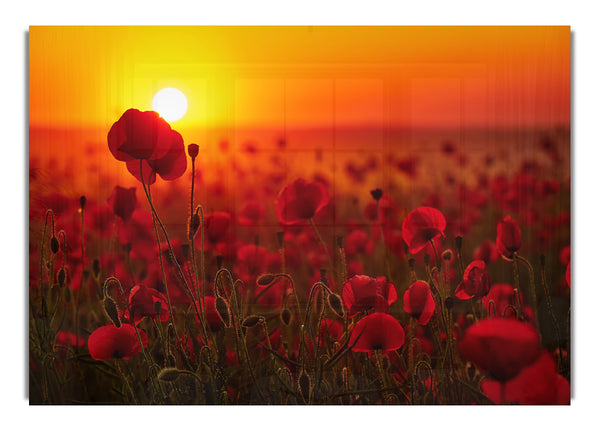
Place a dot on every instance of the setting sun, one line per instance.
(170, 103)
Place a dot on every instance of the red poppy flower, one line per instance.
(476, 281)
(502, 347)
(418, 302)
(364, 293)
(358, 242)
(486, 251)
(123, 202)
(508, 238)
(300, 201)
(216, 226)
(110, 342)
(377, 331)
(251, 214)
(537, 384)
(65, 338)
(421, 226)
(145, 301)
(140, 135)
(169, 167)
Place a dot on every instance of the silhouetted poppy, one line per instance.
(364, 293)
(147, 302)
(377, 331)
(300, 201)
(502, 347)
(508, 238)
(110, 342)
(537, 384)
(358, 242)
(476, 281)
(418, 302)
(169, 167)
(140, 135)
(251, 214)
(123, 202)
(421, 226)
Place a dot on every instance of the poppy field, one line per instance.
(403, 268)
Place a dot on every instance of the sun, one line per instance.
(170, 103)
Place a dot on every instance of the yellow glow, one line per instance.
(170, 103)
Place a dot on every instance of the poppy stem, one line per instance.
(551, 312)
(532, 287)
(320, 239)
(385, 249)
(517, 288)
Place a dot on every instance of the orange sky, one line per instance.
(278, 77)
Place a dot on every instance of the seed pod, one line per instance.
(411, 263)
(377, 194)
(157, 307)
(168, 374)
(286, 316)
(252, 320)
(54, 245)
(340, 241)
(458, 241)
(223, 311)
(426, 258)
(110, 308)
(335, 303)
(61, 277)
(193, 150)
(82, 201)
(447, 255)
(219, 261)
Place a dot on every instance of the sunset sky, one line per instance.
(278, 77)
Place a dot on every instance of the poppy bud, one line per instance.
(286, 316)
(304, 385)
(411, 263)
(82, 201)
(61, 277)
(377, 194)
(426, 258)
(340, 241)
(111, 311)
(157, 307)
(219, 261)
(54, 245)
(168, 374)
(223, 311)
(193, 225)
(335, 303)
(265, 280)
(252, 321)
(193, 150)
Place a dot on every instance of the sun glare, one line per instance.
(170, 103)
